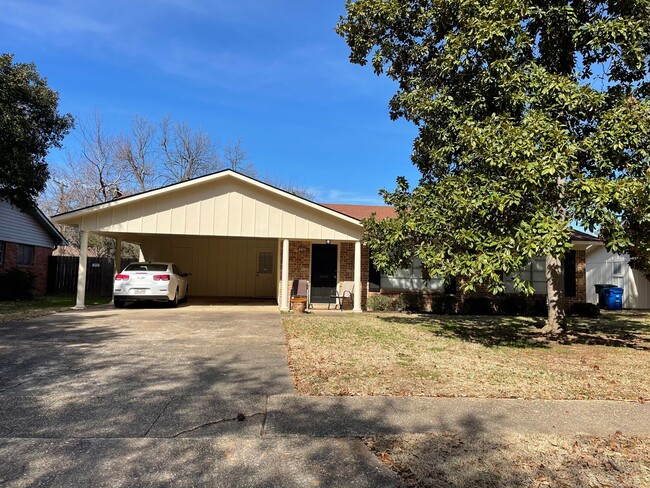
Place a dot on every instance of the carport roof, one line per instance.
(250, 197)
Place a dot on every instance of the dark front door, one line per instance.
(323, 272)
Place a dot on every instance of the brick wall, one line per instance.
(581, 287)
(581, 280)
(346, 268)
(38, 268)
(300, 261)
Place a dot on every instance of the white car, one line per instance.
(160, 282)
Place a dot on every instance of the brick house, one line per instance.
(240, 237)
(27, 240)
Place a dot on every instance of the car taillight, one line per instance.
(161, 277)
(121, 277)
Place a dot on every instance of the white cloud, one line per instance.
(42, 19)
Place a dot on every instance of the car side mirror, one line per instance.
(185, 275)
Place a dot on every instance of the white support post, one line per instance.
(81, 274)
(284, 291)
(357, 277)
(118, 255)
(117, 259)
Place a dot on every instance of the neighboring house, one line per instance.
(27, 239)
(613, 269)
(240, 237)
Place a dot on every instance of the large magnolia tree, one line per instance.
(532, 116)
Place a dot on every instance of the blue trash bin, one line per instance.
(613, 298)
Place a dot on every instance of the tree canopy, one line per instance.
(30, 126)
(532, 115)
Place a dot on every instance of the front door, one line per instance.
(324, 259)
(264, 277)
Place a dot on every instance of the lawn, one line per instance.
(451, 356)
(14, 310)
(455, 460)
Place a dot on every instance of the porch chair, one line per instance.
(347, 291)
(300, 289)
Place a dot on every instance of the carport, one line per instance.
(232, 232)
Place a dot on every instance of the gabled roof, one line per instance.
(385, 211)
(578, 235)
(363, 211)
(49, 227)
(29, 226)
(226, 203)
(199, 181)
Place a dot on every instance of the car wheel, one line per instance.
(174, 303)
(118, 303)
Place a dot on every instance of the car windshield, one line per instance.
(146, 267)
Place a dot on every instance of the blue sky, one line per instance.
(272, 73)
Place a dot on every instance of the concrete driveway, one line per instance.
(157, 396)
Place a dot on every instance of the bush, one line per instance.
(16, 283)
(444, 304)
(584, 310)
(477, 306)
(380, 303)
(513, 305)
(409, 302)
(538, 308)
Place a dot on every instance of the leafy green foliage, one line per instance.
(531, 115)
(16, 283)
(380, 303)
(29, 126)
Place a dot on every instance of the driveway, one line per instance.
(157, 396)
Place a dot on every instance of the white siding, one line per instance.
(600, 270)
(16, 226)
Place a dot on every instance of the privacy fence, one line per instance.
(62, 275)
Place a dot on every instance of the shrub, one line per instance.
(584, 310)
(16, 283)
(538, 308)
(380, 303)
(513, 305)
(444, 304)
(477, 306)
(409, 302)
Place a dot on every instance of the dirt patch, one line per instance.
(456, 460)
(500, 357)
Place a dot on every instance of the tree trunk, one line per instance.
(555, 295)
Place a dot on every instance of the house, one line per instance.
(27, 240)
(240, 237)
(604, 267)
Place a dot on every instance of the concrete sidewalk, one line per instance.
(257, 416)
(363, 416)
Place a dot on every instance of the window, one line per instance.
(534, 273)
(3, 244)
(265, 262)
(617, 268)
(411, 279)
(25, 255)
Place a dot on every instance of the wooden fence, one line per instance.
(62, 275)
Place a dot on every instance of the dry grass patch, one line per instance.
(18, 310)
(433, 460)
(505, 357)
